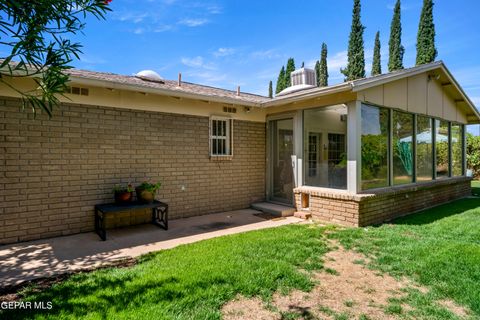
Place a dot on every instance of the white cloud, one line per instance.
(197, 62)
(162, 28)
(193, 22)
(214, 9)
(338, 60)
(134, 17)
(92, 59)
(265, 54)
(208, 77)
(139, 30)
(223, 52)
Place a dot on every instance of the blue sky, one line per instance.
(230, 43)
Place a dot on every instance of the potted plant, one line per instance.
(123, 194)
(146, 191)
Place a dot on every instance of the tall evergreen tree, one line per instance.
(280, 80)
(356, 52)
(426, 50)
(270, 89)
(377, 64)
(303, 64)
(317, 72)
(290, 69)
(396, 50)
(323, 71)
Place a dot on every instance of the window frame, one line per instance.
(463, 148)
(228, 137)
(433, 119)
(389, 176)
(391, 146)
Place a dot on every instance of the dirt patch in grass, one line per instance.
(455, 308)
(351, 292)
(242, 308)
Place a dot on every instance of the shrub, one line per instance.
(473, 154)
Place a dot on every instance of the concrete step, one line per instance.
(274, 209)
(302, 215)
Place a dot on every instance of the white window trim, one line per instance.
(228, 138)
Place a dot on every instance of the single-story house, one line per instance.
(355, 153)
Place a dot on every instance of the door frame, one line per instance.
(296, 117)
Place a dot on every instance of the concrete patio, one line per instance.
(43, 258)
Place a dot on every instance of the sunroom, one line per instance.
(370, 150)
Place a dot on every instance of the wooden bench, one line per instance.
(159, 214)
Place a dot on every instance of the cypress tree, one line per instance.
(377, 64)
(426, 51)
(270, 89)
(356, 52)
(396, 50)
(290, 69)
(303, 64)
(280, 81)
(323, 70)
(317, 72)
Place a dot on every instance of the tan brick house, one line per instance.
(356, 153)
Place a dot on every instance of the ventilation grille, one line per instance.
(304, 76)
(77, 91)
(229, 109)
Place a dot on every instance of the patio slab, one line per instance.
(48, 257)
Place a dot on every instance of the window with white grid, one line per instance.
(221, 136)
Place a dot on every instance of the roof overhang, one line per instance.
(160, 91)
(461, 98)
(309, 94)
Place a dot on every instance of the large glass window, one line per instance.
(375, 129)
(442, 149)
(424, 148)
(402, 145)
(457, 149)
(325, 150)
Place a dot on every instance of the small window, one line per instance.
(221, 137)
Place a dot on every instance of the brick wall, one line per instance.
(387, 204)
(52, 172)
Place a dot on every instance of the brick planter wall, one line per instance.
(52, 172)
(383, 205)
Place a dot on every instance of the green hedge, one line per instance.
(473, 154)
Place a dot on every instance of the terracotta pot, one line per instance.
(122, 197)
(144, 195)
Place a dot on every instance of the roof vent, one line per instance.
(304, 76)
(301, 79)
(150, 75)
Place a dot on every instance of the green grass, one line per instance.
(476, 188)
(191, 281)
(438, 248)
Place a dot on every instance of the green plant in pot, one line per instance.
(146, 191)
(123, 194)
